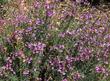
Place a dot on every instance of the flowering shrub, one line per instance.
(55, 40)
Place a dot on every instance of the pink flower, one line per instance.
(65, 79)
(100, 69)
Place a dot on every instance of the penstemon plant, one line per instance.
(55, 40)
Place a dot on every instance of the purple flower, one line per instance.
(100, 69)
(29, 29)
(29, 60)
(59, 65)
(19, 54)
(50, 13)
(18, 34)
(39, 21)
(36, 47)
(84, 54)
(37, 5)
(62, 35)
(49, 6)
(19, 19)
(65, 79)
(77, 76)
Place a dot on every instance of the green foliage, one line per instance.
(3, 1)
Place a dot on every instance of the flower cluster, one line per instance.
(36, 47)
